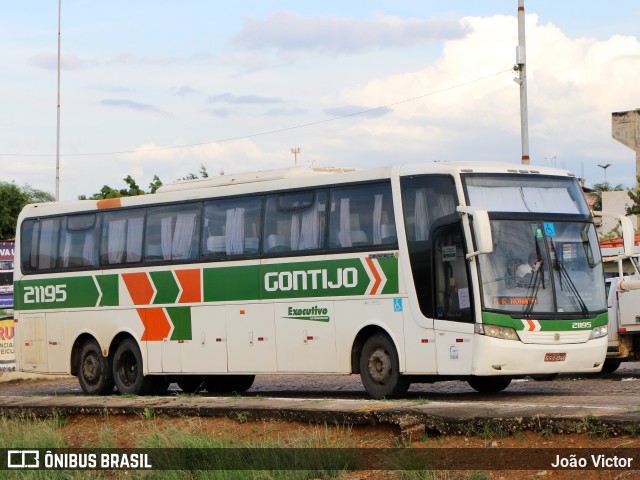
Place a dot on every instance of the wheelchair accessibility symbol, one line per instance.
(549, 229)
(397, 304)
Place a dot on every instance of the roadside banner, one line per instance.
(7, 250)
(7, 355)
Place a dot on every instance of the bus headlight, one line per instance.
(599, 332)
(496, 331)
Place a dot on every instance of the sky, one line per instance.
(161, 87)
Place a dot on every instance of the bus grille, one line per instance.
(550, 338)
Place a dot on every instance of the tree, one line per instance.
(202, 173)
(598, 189)
(12, 200)
(634, 194)
(155, 184)
(108, 192)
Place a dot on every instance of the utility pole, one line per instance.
(58, 113)
(521, 69)
(295, 152)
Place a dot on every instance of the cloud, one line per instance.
(286, 111)
(353, 110)
(131, 105)
(49, 61)
(218, 112)
(243, 99)
(185, 90)
(285, 31)
(573, 86)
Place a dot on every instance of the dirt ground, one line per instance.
(126, 431)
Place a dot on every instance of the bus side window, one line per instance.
(122, 234)
(79, 241)
(40, 244)
(172, 232)
(231, 227)
(295, 221)
(362, 216)
(29, 245)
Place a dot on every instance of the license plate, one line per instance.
(555, 357)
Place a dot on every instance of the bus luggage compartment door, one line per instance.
(31, 332)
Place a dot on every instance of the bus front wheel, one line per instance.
(380, 368)
(94, 372)
(489, 384)
(127, 370)
(610, 365)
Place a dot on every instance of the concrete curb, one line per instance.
(409, 417)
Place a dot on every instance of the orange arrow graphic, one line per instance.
(156, 324)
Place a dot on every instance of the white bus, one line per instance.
(400, 274)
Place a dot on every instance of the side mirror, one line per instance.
(481, 229)
(626, 228)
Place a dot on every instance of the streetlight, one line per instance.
(604, 167)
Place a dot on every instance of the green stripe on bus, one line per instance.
(109, 286)
(231, 283)
(181, 319)
(546, 325)
(166, 287)
(321, 278)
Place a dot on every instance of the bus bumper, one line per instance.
(494, 356)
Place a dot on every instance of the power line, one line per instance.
(269, 132)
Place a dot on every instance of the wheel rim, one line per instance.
(380, 366)
(91, 371)
(128, 369)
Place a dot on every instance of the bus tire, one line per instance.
(380, 368)
(489, 384)
(610, 365)
(94, 371)
(191, 383)
(229, 383)
(127, 370)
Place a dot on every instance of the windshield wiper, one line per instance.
(562, 273)
(537, 278)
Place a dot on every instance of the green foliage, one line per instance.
(202, 173)
(13, 198)
(155, 184)
(634, 195)
(132, 188)
(107, 192)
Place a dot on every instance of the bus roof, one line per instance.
(279, 179)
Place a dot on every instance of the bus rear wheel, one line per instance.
(229, 383)
(489, 384)
(127, 370)
(380, 368)
(94, 372)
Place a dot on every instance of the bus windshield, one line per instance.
(541, 267)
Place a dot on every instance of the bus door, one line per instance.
(453, 301)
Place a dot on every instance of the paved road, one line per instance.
(620, 389)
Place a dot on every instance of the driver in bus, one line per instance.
(525, 270)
